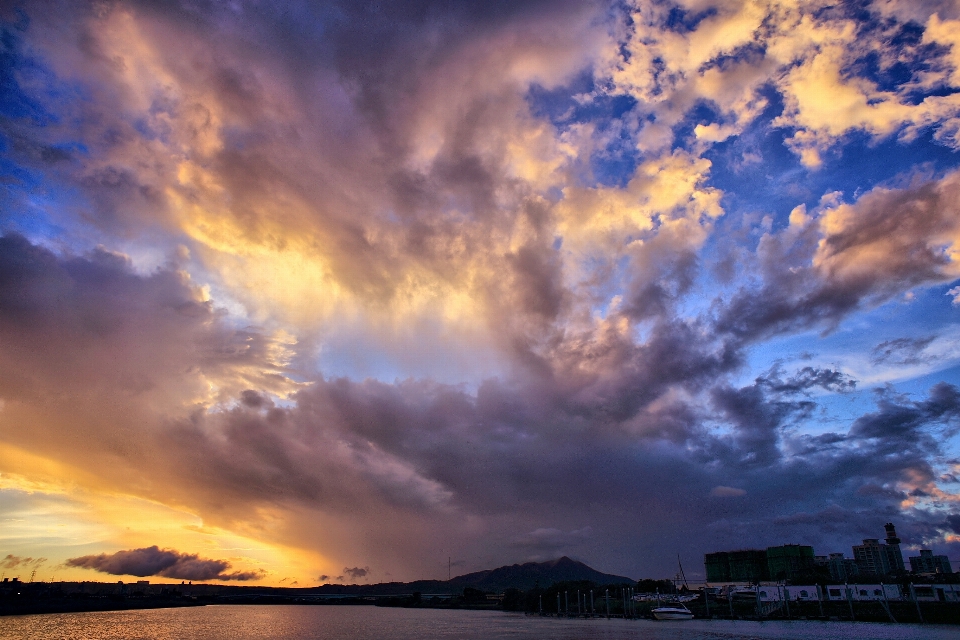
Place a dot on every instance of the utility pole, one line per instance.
(606, 597)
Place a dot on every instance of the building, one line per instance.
(789, 561)
(841, 569)
(876, 558)
(871, 558)
(926, 562)
(892, 549)
(746, 565)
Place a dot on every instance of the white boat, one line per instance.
(672, 613)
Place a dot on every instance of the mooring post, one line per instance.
(886, 603)
(913, 596)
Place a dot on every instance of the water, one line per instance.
(241, 622)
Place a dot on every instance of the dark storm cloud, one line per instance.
(166, 563)
(807, 378)
(555, 457)
(849, 257)
(356, 572)
(902, 351)
(952, 523)
(899, 421)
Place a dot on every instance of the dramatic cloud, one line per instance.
(624, 279)
(166, 563)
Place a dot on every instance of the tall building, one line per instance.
(871, 558)
(789, 561)
(892, 550)
(746, 565)
(926, 562)
(880, 559)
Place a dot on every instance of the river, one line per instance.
(243, 622)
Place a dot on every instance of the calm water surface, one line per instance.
(241, 622)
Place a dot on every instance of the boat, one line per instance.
(672, 613)
(676, 611)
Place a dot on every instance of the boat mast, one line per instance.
(681, 572)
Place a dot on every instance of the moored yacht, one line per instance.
(678, 612)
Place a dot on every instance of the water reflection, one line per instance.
(371, 623)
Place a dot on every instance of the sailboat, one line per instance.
(673, 612)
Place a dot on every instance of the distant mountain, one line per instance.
(530, 574)
(517, 576)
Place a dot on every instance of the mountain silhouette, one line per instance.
(516, 576)
(530, 574)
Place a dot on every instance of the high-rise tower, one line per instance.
(892, 549)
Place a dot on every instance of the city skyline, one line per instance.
(378, 292)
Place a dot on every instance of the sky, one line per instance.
(295, 293)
